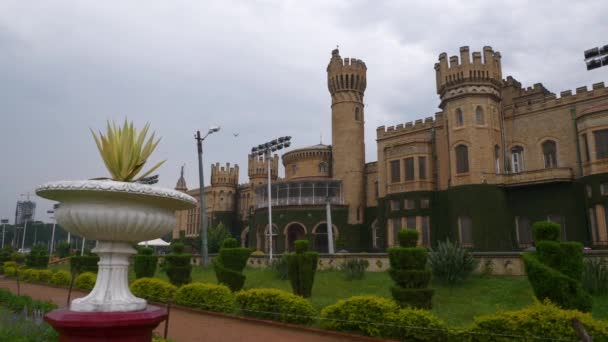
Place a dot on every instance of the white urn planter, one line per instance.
(116, 214)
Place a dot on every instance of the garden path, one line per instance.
(186, 326)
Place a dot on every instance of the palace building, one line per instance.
(496, 158)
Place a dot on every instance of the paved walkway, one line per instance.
(186, 326)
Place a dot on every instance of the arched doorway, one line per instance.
(293, 231)
(320, 241)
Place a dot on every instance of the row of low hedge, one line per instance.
(17, 303)
(84, 281)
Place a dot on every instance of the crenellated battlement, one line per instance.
(346, 74)
(258, 167)
(478, 68)
(552, 100)
(224, 175)
(408, 127)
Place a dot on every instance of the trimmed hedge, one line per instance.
(357, 314)
(179, 268)
(153, 289)
(229, 265)
(10, 271)
(414, 325)
(544, 320)
(144, 263)
(409, 272)
(85, 281)
(44, 276)
(555, 270)
(210, 297)
(61, 278)
(86, 263)
(276, 305)
(301, 268)
(38, 257)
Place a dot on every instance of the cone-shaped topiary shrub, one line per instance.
(301, 268)
(145, 263)
(555, 270)
(230, 263)
(179, 268)
(409, 272)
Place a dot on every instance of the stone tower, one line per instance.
(181, 182)
(258, 169)
(346, 80)
(470, 99)
(224, 181)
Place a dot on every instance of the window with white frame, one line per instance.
(550, 154)
(517, 159)
(479, 117)
(409, 204)
(425, 203)
(395, 205)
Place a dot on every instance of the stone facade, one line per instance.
(495, 158)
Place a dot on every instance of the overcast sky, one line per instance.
(256, 68)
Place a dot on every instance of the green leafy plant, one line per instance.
(409, 272)
(354, 269)
(144, 263)
(276, 305)
(63, 249)
(125, 151)
(85, 263)
(358, 314)
(451, 263)
(212, 297)
(280, 267)
(216, 236)
(38, 257)
(153, 289)
(179, 268)
(302, 266)
(595, 276)
(85, 281)
(230, 263)
(61, 278)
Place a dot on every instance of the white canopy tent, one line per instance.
(154, 243)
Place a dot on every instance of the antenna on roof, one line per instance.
(321, 138)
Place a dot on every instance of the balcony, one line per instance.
(294, 193)
(418, 185)
(558, 174)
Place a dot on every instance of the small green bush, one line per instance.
(545, 231)
(258, 253)
(354, 269)
(10, 271)
(210, 297)
(408, 237)
(595, 276)
(153, 289)
(358, 314)
(29, 275)
(280, 266)
(63, 249)
(85, 263)
(229, 265)
(451, 263)
(414, 325)
(85, 281)
(44, 276)
(179, 268)
(38, 257)
(61, 278)
(216, 236)
(144, 263)
(541, 320)
(18, 257)
(10, 264)
(5, 254)
(277, 305)
(302, 266)
(407, 257)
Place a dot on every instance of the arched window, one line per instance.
(459, 118)
(357, 114)
(479, 119)
(462, 159)
(550, 154)
(465, 231)
(323, 167)
(517, 159)
(497, 158)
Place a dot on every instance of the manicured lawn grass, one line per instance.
(457, 306)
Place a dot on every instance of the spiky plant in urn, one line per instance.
(117, 212)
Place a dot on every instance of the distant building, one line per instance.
(25, 211)
(496, 158)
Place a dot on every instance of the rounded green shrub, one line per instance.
(38, 257)
(10, 264)
(301, 268)
(44, 276)
(414, 325)
(63, 249)
(10, 271)
(18, 258)
(179, 268)
(358, 314)
(85, 281)
(61, 278)
(258, 253)
(276, 305)
(545, 231)
(144, 263)
(408, 237)
(210, 297)
(153, 289)
(541, 320)
(30, 275)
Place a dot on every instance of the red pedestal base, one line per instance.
(135, 326)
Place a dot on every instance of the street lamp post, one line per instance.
(203, 223)
(4, 222)
(266, 150)
(52, 212)
(24, 231)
